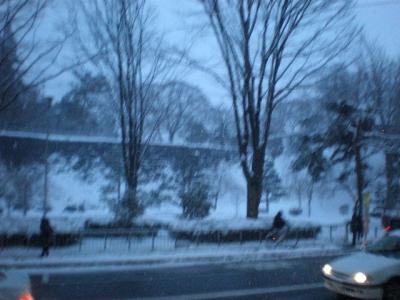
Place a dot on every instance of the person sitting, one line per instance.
(279, 228)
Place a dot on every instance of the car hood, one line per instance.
(363, 262)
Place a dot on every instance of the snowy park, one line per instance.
(145, 135)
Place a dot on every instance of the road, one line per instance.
(285, 279)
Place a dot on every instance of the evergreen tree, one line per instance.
(341, 138)
(272, 184)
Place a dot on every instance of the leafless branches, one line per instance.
(270, 49)
(26, 61)
(131, 56)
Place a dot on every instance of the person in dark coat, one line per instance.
(279, 222)
(279, 228)
(46, 234)
(360, 228)
(354, 228)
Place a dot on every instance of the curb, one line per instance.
(168, 260)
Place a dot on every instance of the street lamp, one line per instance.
(46, 154)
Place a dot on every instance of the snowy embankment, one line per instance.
(69, 189)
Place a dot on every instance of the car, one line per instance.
(15, 285)
(370, 274)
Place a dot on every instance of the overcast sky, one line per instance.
(379, 18)
(381, 21)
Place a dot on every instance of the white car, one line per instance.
(371, 274)
(14, 285)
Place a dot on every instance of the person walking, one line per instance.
(46, 234)
(354, 228)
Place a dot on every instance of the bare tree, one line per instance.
(270, 49)
(130, 55)
(179, 102)
(26, 60)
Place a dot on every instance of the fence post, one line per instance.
(80, 241)
(376, 232)
(346, 237)
(153, 238)
(105, 241)
(315, 234)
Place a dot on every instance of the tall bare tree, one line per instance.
(180, 102)
(131, 56)
(270, 49)
(26, 59)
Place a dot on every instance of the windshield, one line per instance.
(389, 245)
(196, 149)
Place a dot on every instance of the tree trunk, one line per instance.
(310, 196)
(254, 184)
(171, 136)
(131, 201)
(254, 191)
(299, 196)
(359, 179)
(392, 168)
(119, 183)
(25, 200)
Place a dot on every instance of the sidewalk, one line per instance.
(62, 258)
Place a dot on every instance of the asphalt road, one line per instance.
(285, 279)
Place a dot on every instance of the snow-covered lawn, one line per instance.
(68, 188)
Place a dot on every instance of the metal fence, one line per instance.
(341, 233)
(143, 241)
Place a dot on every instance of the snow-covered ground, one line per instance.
(106, 249)
(115, 254)
(67, 188)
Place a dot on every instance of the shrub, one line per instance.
(195, 203)
(295, 211)
(127, 209)
(344, 209)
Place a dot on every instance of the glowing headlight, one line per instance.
(327, 269)
(360, 277)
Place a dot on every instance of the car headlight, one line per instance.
(327, 269)
(26, 296)
(360, 277)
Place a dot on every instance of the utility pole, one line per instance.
(46, 160)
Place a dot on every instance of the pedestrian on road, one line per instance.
(46, 234)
